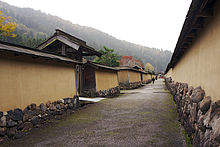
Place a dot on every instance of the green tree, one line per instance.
(149, 67)
(6, 27)
(108, 58)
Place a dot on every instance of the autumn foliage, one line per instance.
(149, 67)
(6, 27)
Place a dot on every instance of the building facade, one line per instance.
(99, 80)
(129, 78)
(193, 73)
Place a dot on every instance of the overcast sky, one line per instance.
(152, 23)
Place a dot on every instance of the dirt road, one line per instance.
(141, 117)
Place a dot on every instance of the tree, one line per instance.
(149, 67)
(6, 27)
(108, 57)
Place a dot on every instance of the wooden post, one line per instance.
(63, 49)
(80, 79)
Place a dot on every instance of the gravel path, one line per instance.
(141, 117)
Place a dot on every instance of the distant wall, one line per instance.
(169, 73)
(106, 80)
(200, 66)
(134, 76)
(123, 76)
(146, 77)
(25, 80)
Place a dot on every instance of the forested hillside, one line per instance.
(35, 26)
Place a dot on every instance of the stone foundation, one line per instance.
(199, 115)
(147, 81)
(14, 123)
(112, 92)
(128, 86)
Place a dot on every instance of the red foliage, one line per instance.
(130, 61)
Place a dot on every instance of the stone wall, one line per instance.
(128, 86)
(14, 123)
(147, 81)
(199, 115)
(112, 92)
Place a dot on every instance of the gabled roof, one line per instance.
(138, 67)
(199, 10)
(69, 40)
(35, 53)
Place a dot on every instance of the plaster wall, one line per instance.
(25, 80)
(146, 76)
(134, 76)
(200, 66)
(106, 80)
(169, 73)
(123, 76)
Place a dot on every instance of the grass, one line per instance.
(144, 113)
(112, 133)
(187, 139)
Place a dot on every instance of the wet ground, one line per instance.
(141, 117)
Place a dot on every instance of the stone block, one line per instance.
(58, 106)
(215, 123)
(52, 107)
(207, 118)
(16, 115)
(205, 104)
(1, 114)
(190, 90)
(197, 95)
(43, 108)
(35, 120)
(11, 132)
(33, 107)
(25, 117)
(27, 126)
(48, 104)
(3, 121)
(20, 126)
(218, 103)
(3, 131)
(11, 123)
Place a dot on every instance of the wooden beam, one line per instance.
(197, 26)
(204, 4)
(185, 46)
(87, 54)
(58, 60)
(192, 34)
(35, 57)
(71, 50)
(63, 49)
(17, 54)
(187, 41)
(206, 13)
(47, 59)
(182, 49)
